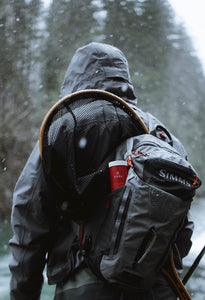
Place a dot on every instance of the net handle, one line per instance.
(84, 92)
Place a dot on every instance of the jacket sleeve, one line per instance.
(31, 231)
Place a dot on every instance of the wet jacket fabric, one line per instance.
(40, 237)
(83, 284)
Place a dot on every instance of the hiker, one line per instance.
(36, 240)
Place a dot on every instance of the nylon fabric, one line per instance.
(131, 240)
(83, 284)
(99, 66)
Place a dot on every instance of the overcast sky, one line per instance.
(191, 13)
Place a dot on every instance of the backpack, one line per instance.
(130, 237)
(125, 235)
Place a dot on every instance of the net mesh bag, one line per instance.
(77, 140)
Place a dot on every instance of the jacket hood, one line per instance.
(99, 66)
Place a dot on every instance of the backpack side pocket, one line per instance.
(151, 223)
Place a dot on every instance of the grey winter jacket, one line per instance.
(39, 236)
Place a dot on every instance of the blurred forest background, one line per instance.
(38, 42)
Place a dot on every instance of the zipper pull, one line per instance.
(129, 162)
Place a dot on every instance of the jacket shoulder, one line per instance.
(157, 128)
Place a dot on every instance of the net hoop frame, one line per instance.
(95, 94)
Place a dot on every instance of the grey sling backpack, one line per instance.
(125, 235)
(128, 242)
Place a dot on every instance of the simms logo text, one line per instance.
(174, 178)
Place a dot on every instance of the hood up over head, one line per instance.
(99, 66)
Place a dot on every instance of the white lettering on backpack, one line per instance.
(173, 177)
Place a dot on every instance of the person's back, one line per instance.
(38, 229)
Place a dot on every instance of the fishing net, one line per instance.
(77, 140)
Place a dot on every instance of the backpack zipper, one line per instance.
(155, 144)
(119, 223)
